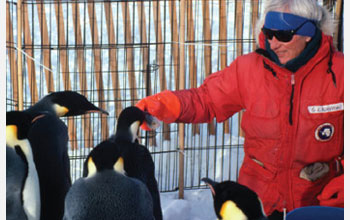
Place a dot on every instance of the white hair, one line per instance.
(306, 8)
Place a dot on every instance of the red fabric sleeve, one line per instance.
(219, 96)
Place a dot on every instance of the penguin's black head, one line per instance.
(105, 156)
(70, 103)
(17, 125)
(232, 199)
(129, 122)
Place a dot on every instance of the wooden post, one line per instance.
(145, 64)
(11, 54)
(129, 51)
(19, 55)
(207, 49)
(182, 86)
(254, 16)
(88, 137)
(239, 47)
(160, 58)
(174, 38)
(338, 16)
(192, 55)
(97, 65)
(45, 42)
(30, 63)
(113, 59)
(143, 37)
(223, 48)
(64, 68)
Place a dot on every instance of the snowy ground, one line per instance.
(197, 205)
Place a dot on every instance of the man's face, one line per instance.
(287, 51)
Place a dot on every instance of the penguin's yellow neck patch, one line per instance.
(60, 110)
(230, 211)
(12, 141)
(91, 167)
(119, 166)
(11, 135)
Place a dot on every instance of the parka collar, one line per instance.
(325, 51)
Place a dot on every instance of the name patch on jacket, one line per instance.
(326, 108)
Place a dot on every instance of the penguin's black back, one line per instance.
(138, 163)
(16, 173)
(48, 137)
(108, 195)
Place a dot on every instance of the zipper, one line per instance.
(292, 81)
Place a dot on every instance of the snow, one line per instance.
(197, 205)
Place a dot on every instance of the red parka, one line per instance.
(291, 120)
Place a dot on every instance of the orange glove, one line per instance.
(333, 193)
(164, 105)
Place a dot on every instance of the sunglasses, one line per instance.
(281, 35)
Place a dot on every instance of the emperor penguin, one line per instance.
(233, 201)
(64, 103)
(48, 137)
(22, 182)
(138, 162)
(106, 193)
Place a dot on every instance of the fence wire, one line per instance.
(117, 52)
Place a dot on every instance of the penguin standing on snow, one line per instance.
(138, 162)
(105, 192)
(48, 137)
(22, 183)
(233, 201)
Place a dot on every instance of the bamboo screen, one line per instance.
(117, 52)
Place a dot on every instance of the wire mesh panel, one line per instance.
(117, 52)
